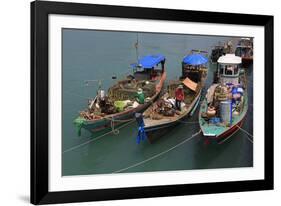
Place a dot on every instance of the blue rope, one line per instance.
(141, 134)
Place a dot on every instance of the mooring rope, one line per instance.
(92, 140)
(227, 138)
(159, 154)
(114, 131)
(112, 122)
(246, 133)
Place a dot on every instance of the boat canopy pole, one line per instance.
(137, 49)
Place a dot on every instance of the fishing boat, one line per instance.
(162, 115)
(221, 49)
(226, 103)
(217, 51)
(127, 97)
(244, 49)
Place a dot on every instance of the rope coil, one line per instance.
(114, 131)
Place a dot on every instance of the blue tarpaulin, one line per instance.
(236, 90)
(149, 61)
(195, 59)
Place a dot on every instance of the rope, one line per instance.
(112, 121)
(235, 132)
(115, 131)
(245, 131)
(92, 140)
(159, 154)
(227, 138)
(247, 134)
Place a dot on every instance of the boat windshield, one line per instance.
(229, 70)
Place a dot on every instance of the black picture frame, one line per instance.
(39, 102)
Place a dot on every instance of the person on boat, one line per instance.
(104, 105)
(179, 97)
(140, 96)
(101, 99)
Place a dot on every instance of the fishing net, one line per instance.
(127, 90)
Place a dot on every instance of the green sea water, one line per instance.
(99, 55)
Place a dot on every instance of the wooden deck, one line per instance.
(148, 122)
(165, 119)
(216, 130)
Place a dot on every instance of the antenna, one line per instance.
(137, 48)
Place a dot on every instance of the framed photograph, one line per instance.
(131, 102)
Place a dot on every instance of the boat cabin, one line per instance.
(194, 66)
(217, 51)
(229, 69)
(244, 48)
(149, 67)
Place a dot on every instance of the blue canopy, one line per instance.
(195, 59)
(149, 61)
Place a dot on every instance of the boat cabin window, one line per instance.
(236, 70)
(229, 70)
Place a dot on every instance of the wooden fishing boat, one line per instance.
(120, 105)
(162, 115)
(221, 49)
(226, 103)
(217, 51)
(244, 49)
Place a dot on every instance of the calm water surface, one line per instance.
(89, 55)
